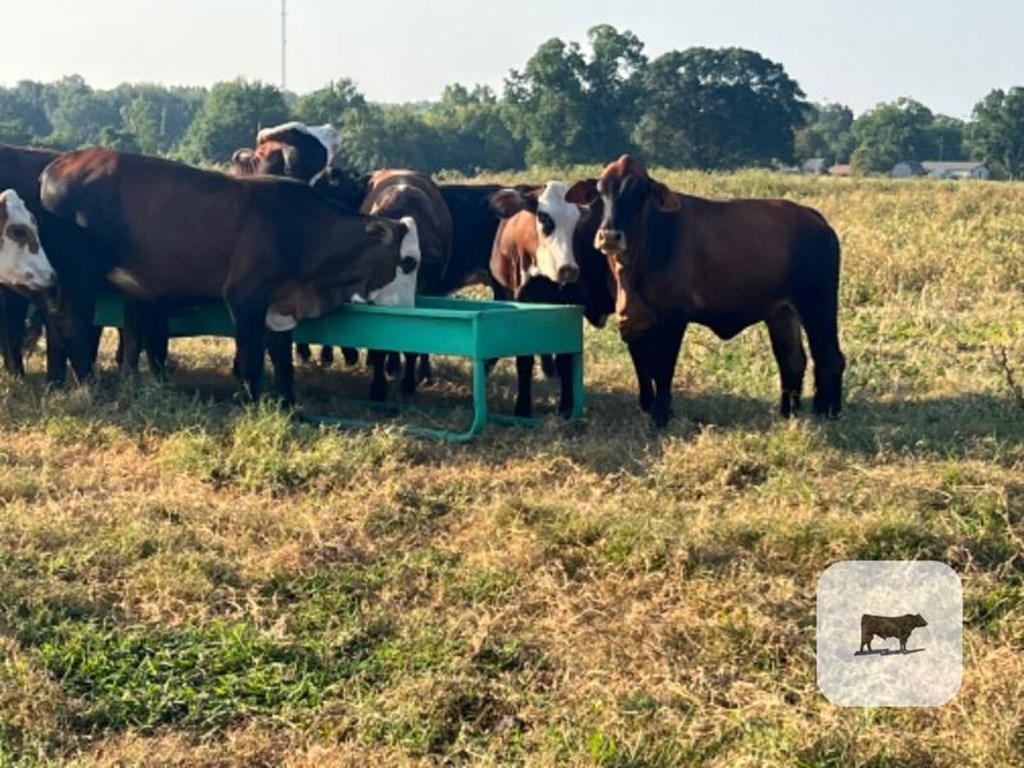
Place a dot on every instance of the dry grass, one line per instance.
(184, 582)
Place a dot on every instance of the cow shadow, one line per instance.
(889, 652)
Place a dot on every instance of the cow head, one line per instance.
(918, 620)
(285, 150)
(401, 292)
(627, 194)
(23, 262)
(556, 217)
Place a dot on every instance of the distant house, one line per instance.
(972, 170)
(844, 169)
(941, 170)
(815, 165)
(907, 169)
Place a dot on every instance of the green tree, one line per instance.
(891, 133)
(330, 104)
(719, 108)
(828, 133)
(473, 132)
(948, 138)
(230, 118)
(572, 108)
(390, 135)
(23, 105)
(139, 120)
(13, 132)
(79, 113)
(996, 134)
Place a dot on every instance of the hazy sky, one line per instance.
(946, 53)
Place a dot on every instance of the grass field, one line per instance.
(186, 582)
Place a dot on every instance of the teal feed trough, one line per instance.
(478, 330)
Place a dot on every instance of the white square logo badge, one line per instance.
(890, 633)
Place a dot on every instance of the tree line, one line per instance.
(704, 108)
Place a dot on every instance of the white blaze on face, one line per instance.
(23, 262)
(556, 225)
(401, 292)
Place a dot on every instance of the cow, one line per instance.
(679, 259)
(300, 152)
(291, 149)
(273, 249)
(19, 170)
(23, 262)
(395, 193)
(543, 244)
(889, 626)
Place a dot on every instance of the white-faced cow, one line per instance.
(543, 252)
(274, 250)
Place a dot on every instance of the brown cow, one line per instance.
(395, 193)
(889, 626)
(274, 249)
(679, 259)
(291, 149)
(542, 247)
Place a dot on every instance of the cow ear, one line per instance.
(380, 229)
(241, 156)
(664, 198)
(582, 192)
(508, 202)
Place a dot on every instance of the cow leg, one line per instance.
(425, 371)
(131, 337)
(250, 342)
(279, 345)
(379, 384)
(668, 339)
(304, 353)
(524, 388)
(788, 347)
(547, 366)
(351, 355)
(14, 309)
(56, 354)
(564, 364)
(820, 323)
(394, 363)
(640, 352)
(409, 381)
(326, 355)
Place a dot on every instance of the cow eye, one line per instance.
(18, 232)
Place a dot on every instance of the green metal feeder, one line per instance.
(478, 330)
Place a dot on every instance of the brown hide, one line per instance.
(395, 193)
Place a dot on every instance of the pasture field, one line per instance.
(187, 582)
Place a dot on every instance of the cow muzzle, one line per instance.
(568, 273)
(610, 241)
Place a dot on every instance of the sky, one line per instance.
(946, 54)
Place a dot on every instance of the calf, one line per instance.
(889, 626)
(679, 259)
(273, 249)
(297, 151)
(542, 246)
(395, 194)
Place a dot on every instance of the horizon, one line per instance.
(455, 42)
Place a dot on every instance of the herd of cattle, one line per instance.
(287, 235)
